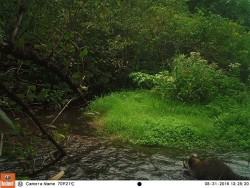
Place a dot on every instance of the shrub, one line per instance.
(191, 80)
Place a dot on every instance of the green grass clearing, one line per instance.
(141, 117)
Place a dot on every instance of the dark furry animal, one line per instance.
(210, 169)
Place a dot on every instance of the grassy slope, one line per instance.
(143, 118)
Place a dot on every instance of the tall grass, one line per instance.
(141, 117)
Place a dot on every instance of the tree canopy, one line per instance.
(51, 50)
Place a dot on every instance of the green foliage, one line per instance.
(99, 43)
(22, 178)
(237, 10)
(60, 134)
(83, 53)
(141, 117)
(56, 96)
(196, 81)
(143, 79)
(191, 80)
(36, 86)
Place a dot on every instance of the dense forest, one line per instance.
(182, 66)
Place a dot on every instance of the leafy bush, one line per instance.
(191, 80)
(196, 81)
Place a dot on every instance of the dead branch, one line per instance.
(63, 109)
(57, 176)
